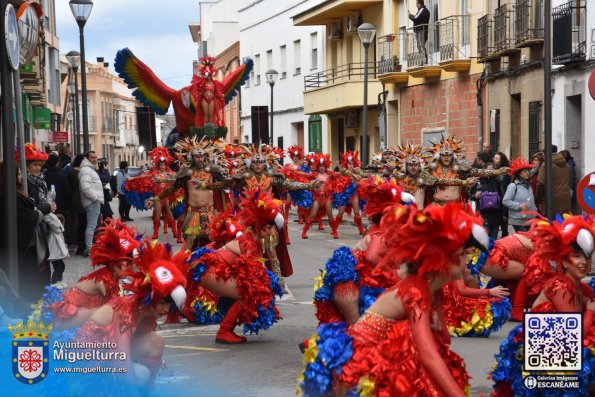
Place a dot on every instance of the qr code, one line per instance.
(553, 342)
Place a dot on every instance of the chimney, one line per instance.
(106, 64)
(100, 59)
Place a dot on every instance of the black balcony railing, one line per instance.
(339, 74)
(454, 38)
(485, 37)
(423, 44)
(388, 53)
(504, 28)
(528, 22)
(569, 32)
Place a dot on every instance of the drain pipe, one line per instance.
(480, 86)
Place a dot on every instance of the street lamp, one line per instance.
(74, 59)
(272, 75)
(366, 33)
(141, 150)
(81, 9)
(71, 89)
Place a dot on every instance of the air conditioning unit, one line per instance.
(353, 21)
(335, 32)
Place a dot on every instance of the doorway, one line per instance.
(515, 126)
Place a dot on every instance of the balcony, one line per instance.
(388, 64)
(569, 32)
(454, 43)
(485, 39)
(339, 88)
(92, 123)
(528, 23)
(504, 37)
(423, 51)
(107, 125)
(330, 11)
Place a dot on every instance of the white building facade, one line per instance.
(267, 35)
(573, 108)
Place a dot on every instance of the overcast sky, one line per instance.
(155, 30)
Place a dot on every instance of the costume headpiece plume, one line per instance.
(350, 158)
(295, 151)
(160, 155)
(114, 241)
(379, 193)
(410, 154)
(259, 208)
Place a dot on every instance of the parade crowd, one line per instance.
(436, 257)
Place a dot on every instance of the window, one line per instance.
(314, 52)
(534, 126)
(257, 68)
(283, 54)
(269, 60)
(432, 135)
(315, 134)
(297, 56)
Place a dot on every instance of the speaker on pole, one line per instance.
(145, 121)
(260, 124)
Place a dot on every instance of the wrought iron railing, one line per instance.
(423, 44)
(388, 53)
(107, 124)
(569, 32)
(485, 36)
(454, 38)
(528, 22)
(504, 28)
(339, 74)
(92, 122)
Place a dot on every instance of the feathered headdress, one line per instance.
(192, 146)
(517, 165)
(161, 274)
(114, 241)
(553, 242)
(379, 193)
(323, 160)
(411, 154)
(207, 66)
(350, 158)
(259, 208)
(223, 228)
(295, 151)
(160, 155)
(429, 237)
(266, 153)
(311, 160)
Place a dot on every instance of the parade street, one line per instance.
(270, 363)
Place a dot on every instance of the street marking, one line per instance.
(187, 335)
(207, 349)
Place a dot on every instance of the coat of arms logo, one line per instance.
(30, 352)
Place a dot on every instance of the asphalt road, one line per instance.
(269, 363)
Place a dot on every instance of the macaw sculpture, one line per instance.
(202, 102)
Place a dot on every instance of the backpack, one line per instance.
(113, 184)
(489, 201)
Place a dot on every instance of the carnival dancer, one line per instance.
(323, 196)
(236, 272)
(113, 255)
(351, 168)
(412, 171)
(452, 172)
(204, 185)
(569, 245)
(400, 346)
(302, 199)
(353, 279)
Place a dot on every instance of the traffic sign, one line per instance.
(585, 193)
(592, 84)
(11, 36)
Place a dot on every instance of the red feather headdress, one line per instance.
(159, 155)
(258, 209)
(323, 160)
(207, 66)
(114, 241)
(519, 164)
(379, 193)
(350, 158)
(223, 228)
(427, 237)
(311, 160)
(295, 151)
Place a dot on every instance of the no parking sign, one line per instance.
(585, 193)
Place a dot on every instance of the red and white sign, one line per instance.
(60, 136)
(585, 193)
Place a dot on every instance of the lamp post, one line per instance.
(81, 9)
(272, 75)
(71, 88)
(74, 59)
(141, 150)
(366, 33)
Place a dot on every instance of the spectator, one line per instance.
(560, 184)
(123, 206)
(79, 216)
(572, 183)
(65, 155)
(519, 196)
(538, 159)
(106, 209)
(501, 161)
(482, 159)
(91, 191)
(487, 147)
(489, 202)
(421, 19)
(54, 175)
